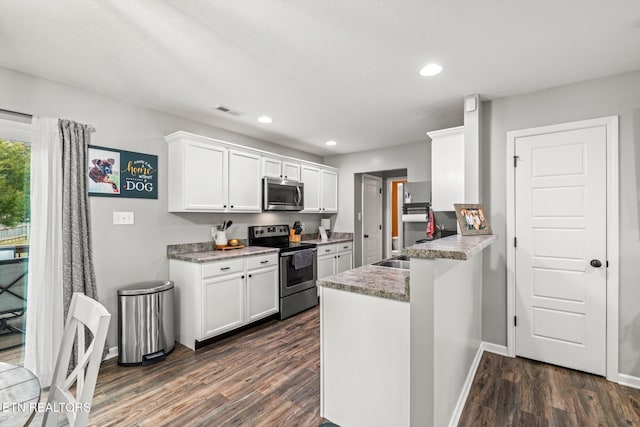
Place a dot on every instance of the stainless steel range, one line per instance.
(298, 267)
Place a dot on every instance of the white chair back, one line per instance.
(88, 313)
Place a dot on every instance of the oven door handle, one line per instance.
(288, 254)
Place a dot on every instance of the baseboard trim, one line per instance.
(494, 348)
(113, 352)
(464, 393)
(629, 380)
(466, 387)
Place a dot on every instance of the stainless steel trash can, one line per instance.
(145, 322)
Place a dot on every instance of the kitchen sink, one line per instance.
(397, 262)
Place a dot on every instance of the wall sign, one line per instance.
(120, 173)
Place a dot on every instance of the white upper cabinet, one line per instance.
(447, 168)
(202, 185)
(244, 182)
(209, 175)
(291, 171)
(271, 168)
(320, 189)
(275, 168)
(329, 191)
(311, 178)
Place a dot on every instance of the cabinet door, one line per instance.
(262, 293)
(205, 177)
(344, 262)
(326, 266)
(310, 176)
(244, 182)
(291, 171)
(271, 167)
(329, 191)
(447, 169)
(223, 304)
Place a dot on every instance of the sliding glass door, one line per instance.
(15, 156)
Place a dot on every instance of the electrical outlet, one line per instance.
(122, 218)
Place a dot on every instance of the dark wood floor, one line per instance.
(520, 392)
(266, 376)
(269, 376)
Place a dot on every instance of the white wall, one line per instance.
(618, 95)
(128, 254)
(415, 157)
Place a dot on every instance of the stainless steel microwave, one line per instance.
(282, 195)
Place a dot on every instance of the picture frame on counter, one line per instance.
(472, 219)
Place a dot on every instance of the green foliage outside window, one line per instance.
(15, 158)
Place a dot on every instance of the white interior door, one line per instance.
(560, 214)
(371, 219)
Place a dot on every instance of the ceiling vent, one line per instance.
(228, 110)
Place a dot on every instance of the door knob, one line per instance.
(366, 236)
(596, 263)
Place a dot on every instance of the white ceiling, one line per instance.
(322, 69)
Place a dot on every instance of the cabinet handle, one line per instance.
(338, 256)
(231, 206)
(280, 176)
(225, 206)
(286, 176)
(327, 250)
(264, 262)
(242, 277)
(250, 275)
(225, 268)
(345, 247)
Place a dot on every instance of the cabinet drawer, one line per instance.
(262, 261)
(345, 246)
(326, 249)
(222, 267)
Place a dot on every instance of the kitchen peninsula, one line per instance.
(396, 344)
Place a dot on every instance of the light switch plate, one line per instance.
(122, 218)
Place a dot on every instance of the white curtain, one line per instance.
(44, 298)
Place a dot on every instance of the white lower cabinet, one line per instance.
(217, 297)
(262, 296)
(218, 318)
(344, 261)
(334, 259)
(326, 266)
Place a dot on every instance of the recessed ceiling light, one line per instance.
(264, 119)
(431, 70)
(331, 143)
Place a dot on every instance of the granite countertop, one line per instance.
(453, 247)
(203, 251)
(213, 255)
(383, 282)
(329, 241)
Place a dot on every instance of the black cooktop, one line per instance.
(289, 246)
(275, 236)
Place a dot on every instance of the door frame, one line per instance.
(613, 258)
(387, 223)
(380, 232)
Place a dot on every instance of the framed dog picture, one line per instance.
(472, 219)
(119, 173)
